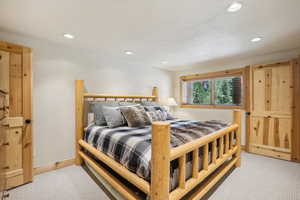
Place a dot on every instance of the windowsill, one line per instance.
(211, 106)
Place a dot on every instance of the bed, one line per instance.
(173, 157)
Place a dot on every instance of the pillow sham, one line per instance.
(128, 103)
(165, 112)
(96, 108)
(113, 116)
(135, 116)
(156, 115)
(149, 103)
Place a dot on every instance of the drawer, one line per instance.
(13, 149)
(14, 181)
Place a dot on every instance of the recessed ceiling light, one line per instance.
(256, 39)
(69, 36)
(128, 52)
(234, 7)
(164, 62)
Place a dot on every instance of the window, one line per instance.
(221, 89)
(201, 92)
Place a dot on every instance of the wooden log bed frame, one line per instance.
(225, 154)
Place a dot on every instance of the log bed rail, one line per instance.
(220, 152)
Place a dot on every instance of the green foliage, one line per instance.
(224, 91)
(202, 92)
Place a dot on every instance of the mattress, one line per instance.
(131, 146)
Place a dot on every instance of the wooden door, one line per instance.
(4, 88)
(271, 121)
(16, 127)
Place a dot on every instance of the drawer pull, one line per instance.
(7, 167)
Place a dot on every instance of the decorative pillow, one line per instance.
(156, 116)
(149, 103)
(150, 108)
(128, 103)
(166, 114)
(96, 108)
(113, 116)
(135, 116)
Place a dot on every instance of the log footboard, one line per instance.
(225, 148)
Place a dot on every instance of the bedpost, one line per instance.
(155, 93)
(79, 100)
(160, 162)
(237, 120)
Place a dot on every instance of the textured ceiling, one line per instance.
(180, 32)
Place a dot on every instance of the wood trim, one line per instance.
(296, 112)
(15, 48)
(54, 166)
(225, 73)
(211, 106)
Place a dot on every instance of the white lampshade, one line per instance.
(171, 102)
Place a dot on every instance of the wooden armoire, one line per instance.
(273, 113)
(15, 115)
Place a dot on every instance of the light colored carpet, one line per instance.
(259, 178)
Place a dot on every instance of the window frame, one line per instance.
(213, 75)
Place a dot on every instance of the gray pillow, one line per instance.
(167, 114)
(156, 116)
(96, 108)
(113, 116)
(135, 116)
(128, 103)
(149, 103)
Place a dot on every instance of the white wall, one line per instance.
(55, 67)
(205, 114)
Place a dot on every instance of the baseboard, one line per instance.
(54, 166)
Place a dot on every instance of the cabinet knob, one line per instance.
(7, 167)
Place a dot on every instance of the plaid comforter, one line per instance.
(132, 146)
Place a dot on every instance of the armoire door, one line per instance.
(271, 116)
(16, 127)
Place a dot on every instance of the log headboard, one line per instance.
(82, 95)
